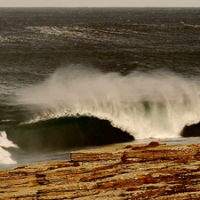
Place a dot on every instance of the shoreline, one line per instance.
(133, 171)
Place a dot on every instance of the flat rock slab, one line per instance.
(153, 171)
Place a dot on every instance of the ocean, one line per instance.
(76, 78)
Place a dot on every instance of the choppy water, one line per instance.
(74, 78)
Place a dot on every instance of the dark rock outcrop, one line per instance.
(191, 130)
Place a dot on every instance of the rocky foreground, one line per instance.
(153, 171)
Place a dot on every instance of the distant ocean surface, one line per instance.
(73, 78)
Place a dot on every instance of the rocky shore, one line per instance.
(152, 171)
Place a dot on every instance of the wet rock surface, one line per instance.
(153, 171)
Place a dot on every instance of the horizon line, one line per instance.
(99, 6)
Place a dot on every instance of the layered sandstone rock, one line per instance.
(151, 171)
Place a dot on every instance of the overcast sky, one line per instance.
(99, 3)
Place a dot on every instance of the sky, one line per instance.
(99, 3)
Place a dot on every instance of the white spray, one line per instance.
(5, 156)
(154, 105)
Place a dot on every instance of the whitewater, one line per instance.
(146, 105)
(5, 156)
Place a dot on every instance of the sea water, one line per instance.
(72, 78)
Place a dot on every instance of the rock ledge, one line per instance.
(154, 171)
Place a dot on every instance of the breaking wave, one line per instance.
(66, 133)
(155, 105)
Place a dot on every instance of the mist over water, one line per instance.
(157, 104)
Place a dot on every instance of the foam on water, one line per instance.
(78, 32)
(5, 156)
(154, 105)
